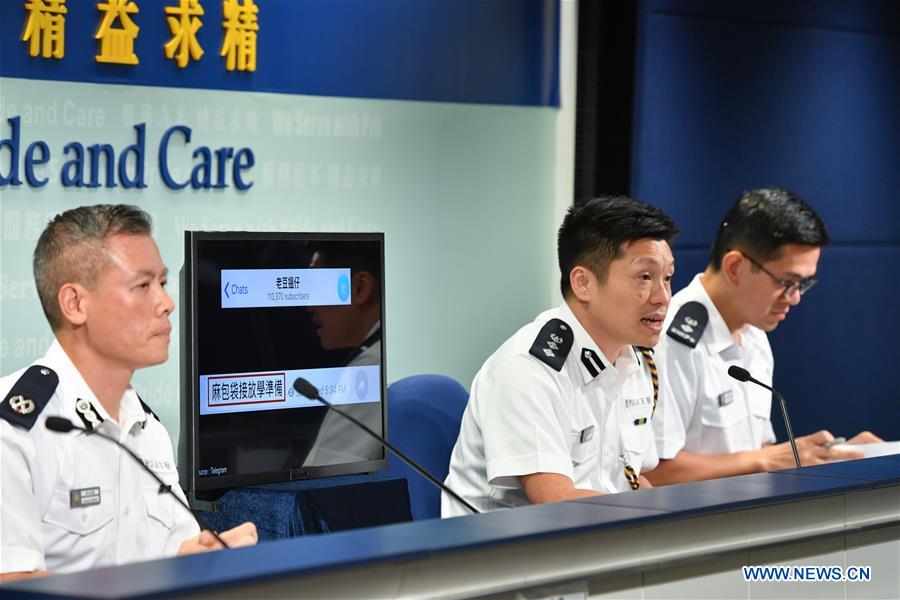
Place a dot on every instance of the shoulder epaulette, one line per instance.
(552, 344)
(689, 323)
(28, 396)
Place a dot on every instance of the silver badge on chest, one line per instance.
(726, 398)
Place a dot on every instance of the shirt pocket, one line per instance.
(760, 402)
(637, 435)
(82, 520)
(160, 508)
(723, 416)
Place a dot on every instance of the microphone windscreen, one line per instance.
(739, 373)
(59, 424)
(305, 388)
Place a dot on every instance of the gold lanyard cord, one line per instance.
(630, 476)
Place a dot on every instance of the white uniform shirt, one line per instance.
(701, 408)
(43, 526)
(340, 440)
(370, 352)
(585, 421)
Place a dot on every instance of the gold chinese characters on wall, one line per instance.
(45, 29)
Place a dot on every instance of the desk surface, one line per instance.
(297, 556)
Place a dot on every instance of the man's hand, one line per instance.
(242, 535)
(7, 577)
(811, 449)
(645, 483)
(865, 437)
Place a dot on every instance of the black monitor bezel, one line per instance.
(188, 444)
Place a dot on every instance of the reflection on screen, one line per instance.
(267, 312)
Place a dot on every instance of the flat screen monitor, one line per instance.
(258, 311)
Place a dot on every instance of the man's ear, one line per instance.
(732, 262)
(363, 287)
(72, 303)
(581, 279)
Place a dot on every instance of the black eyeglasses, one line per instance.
(790, 287)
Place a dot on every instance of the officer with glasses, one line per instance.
(707, 425)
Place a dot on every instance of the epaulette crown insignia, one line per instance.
(552, 344)
(28, 396)
(689, 323)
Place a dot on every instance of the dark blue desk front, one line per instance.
(285, 510)
(396, 545)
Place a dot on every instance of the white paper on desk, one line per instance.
(870, 450)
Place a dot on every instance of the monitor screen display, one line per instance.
(259, 311)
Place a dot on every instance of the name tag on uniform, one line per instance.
(726, 398)
(84, 497)
(638, 403)
(586, 434)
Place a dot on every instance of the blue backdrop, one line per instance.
(496, 52)
(802, 95)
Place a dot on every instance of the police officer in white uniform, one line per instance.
(724, 416)
(709, 425)
(562, 409)
(75, 501)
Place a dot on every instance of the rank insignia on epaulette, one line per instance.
(552, 344)
(29, 395)
(689, 323)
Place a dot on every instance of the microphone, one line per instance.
(64, 425)
(744, 375)
(740, 374)
(307, 389)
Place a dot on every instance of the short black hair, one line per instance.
(592, 233)
(73, 249)
(761, 221)
(358, 256)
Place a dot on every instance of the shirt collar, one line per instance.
(76, 388)
(131, 413)
(374, 335)
(591, 361)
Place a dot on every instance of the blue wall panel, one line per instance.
(835, 354)
(803, 95)
(496, 52)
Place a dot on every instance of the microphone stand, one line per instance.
(742, 374)
(787, 421)
(310, 391)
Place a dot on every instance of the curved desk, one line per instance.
(688, 540)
